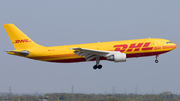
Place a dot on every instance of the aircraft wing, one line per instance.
(90, 54)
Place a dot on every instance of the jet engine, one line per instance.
(119, 57)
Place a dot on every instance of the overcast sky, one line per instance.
(64, 22)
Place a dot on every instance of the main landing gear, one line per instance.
(156, 61)
(97, 64)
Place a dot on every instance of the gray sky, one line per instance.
(63, 22)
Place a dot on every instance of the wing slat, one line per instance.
(90, 54)
(90, 58)
(78, 52)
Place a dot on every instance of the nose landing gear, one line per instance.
(156, 61)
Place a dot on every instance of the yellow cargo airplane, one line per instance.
(116, 51)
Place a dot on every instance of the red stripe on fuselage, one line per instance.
(102, 58)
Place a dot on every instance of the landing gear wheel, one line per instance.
(99, 66)
(156, 61)
(95, 67)
(97, 63)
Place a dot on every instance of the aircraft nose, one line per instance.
(175, 45)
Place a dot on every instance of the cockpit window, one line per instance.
(168, 42)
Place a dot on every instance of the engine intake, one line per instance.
(119, 57)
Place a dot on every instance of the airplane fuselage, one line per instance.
(132, 48)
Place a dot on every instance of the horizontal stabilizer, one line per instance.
(24, 52)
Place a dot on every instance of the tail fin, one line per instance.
(18, 38)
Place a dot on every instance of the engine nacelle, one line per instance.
(119, 57)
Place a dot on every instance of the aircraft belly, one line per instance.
(81, 59)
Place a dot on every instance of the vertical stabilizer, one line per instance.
(18, 38)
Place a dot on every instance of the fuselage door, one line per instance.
(157, 45)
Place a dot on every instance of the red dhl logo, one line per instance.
(133, 47)
(22, 41)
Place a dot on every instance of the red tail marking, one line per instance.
(22, 41)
